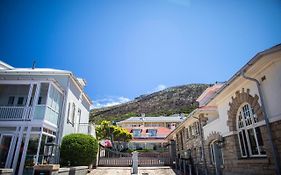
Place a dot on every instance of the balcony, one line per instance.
(14, 113)
(19, 102)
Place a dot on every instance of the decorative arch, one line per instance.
(237, 101)
(213, 136)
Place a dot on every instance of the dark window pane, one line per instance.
(20, 101)
(11, 100)
(260, 141)
(242, 143)
(253, 143)
(245, 141)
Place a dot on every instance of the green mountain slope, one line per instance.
(174, 100)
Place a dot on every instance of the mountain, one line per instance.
(174, 100)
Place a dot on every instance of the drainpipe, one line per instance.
(202, 144)
(269, 131)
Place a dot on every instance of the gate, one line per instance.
(111, 158)
(154, 159)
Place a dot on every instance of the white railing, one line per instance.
(14, 112)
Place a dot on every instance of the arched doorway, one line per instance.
(216, 156)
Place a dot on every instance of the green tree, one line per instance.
(115, 133)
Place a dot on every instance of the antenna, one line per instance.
(33, 64)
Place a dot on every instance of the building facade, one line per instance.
(150, 132)
(38, 106)
(188, 136)
(242, 135)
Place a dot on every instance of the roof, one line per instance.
(4, 65)
(154, 119)
(45, 71)
(257, 57)
(208, 93)
(37, 70)
(190, 115)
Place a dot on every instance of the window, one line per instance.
(11, 100)
(68, 113)
(151, 132)
(190, 131)
(196, 128)
(136, 132)
(73, 113)
(187, 134)
(20, 101)
(79, 116)
(249, 135)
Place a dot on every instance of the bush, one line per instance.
(78, 150)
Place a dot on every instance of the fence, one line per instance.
(108, 157)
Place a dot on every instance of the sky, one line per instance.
(126, 48)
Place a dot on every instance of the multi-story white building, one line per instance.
(38, 105)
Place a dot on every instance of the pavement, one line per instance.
(163, 170)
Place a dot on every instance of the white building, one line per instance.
(38, 105)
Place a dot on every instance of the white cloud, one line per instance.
(160, 87)
(109, 101)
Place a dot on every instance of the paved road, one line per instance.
(127, 171)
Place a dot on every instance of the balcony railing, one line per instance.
(14, 112)
(45, 112)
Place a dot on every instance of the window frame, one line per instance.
(246, 121)
(11, 100)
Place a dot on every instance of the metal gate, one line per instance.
(154, 159)
(111, 158)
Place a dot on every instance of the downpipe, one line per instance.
(202, 144)
(275, 154)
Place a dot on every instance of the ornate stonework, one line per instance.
(213, 136)
(237, 101)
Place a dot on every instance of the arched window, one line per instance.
(249, 134)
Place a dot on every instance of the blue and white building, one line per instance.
(38, 105)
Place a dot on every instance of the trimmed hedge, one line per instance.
(78, 150)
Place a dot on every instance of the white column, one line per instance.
(22, 160)
(35, 100)
(26, 109)
(16, 156)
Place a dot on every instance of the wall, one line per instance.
(270, 68)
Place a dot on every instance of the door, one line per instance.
(5, 145)
(217, 157)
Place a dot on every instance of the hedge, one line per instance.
(78, 150)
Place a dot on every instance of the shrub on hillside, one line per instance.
(78, 150)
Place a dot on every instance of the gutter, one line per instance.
(274, 150)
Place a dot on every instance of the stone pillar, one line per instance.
(135, 162)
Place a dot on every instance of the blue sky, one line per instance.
(128, 48)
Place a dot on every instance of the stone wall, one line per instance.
(234, 164)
